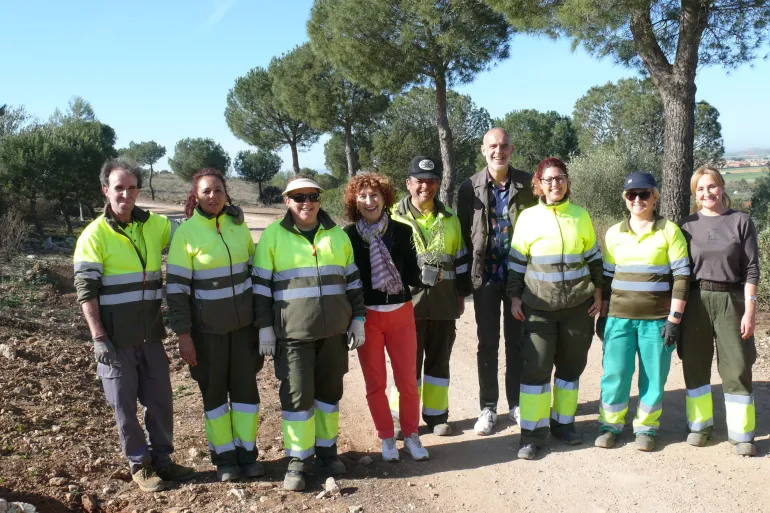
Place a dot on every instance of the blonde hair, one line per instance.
(718, 178)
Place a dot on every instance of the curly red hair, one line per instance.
(368, 180)
(545, 164)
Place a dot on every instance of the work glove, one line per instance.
(671, 333)
(601, 325)
(104, 351)
(267, 341)
(356, 333)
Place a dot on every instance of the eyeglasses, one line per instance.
(558, 179)
(644, 195)
(301, 198)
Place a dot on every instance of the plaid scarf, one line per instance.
(385, 276)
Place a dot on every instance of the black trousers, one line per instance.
(486, 305)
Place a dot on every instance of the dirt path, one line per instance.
(471, 473)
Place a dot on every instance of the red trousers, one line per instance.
(396, 332)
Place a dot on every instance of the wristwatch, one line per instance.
(751, 298)
(675, 315)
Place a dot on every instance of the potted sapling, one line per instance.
(430, 253)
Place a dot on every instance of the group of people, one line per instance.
(395, 280)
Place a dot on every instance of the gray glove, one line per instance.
(267, 341)
(671, 333)
(356, 333)
(104, 351)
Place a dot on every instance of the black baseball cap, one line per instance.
(640, 180)
(425, 167)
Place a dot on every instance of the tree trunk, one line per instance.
(349, 151)
(679, 122)
(259, 192)
(80, 206)
(294, 158)
(445, 143)
(36, 216)
(152, 191)
(66, 216)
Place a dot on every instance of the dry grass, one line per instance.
(14, 233)
(171, 189)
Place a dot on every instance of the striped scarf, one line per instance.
(385, 276)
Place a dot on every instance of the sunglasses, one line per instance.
(644, 195)
(301, 198)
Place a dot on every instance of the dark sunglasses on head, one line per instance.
(301, 198)
(644, 195)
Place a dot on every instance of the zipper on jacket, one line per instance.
(318, 277)
(562, 264)
(144, 271)
(230, 259)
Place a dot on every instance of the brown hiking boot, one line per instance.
(175, 472)
(745, 449)
(697, 439)
(148, 480)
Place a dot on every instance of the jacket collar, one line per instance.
(136, 214)
(658, 223)
(325, 220)
(405, 205)
(231, 210)
(559, 206)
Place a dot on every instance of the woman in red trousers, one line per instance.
(386, 259)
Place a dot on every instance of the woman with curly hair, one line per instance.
(386, 258)
(211, 310)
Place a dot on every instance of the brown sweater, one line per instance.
(722, 248)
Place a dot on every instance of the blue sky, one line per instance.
(161, 70)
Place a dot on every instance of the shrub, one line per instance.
(14, 233)
(271, 195)
(333, 204)
(763, 291)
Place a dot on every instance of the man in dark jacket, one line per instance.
(488, 206)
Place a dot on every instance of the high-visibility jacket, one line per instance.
(554, 262)
(645, 270)
(120, 266)
(306, 291)
(209, 274)
(441, 301)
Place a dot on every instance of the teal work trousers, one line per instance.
(623, 340)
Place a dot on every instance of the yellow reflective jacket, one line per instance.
(306, 291)
(441, 301)
(209, 274)
(121, 267)
(554, 261)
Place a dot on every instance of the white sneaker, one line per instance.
(389, 450)
(515, 415)
(487, 420)
(413, 446)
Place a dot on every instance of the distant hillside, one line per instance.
(749, 152)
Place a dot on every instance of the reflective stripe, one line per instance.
(521, 269)
(131, 297)
(536, 389)
(462, 268)
(566, 385)
(562, 419)
(643, 269)
(592, 253)
(554, 277)
(310, 272)
(740, 437)
(305, 292)
(224, 292)
(350, 269)
(614, 408)
(650, 409)
(178, 270)
(616, 427)
(530, 425)
(323, 442)
(697, 392)
(177, 288)
(326, 407)
(297, 416)
(700, 426)
(681, 263)
(217, 412)
(262, 273)
(447, 275)
(218, 272)
(82, 265)
(253, 409)
(608, 267)
(556, 259)
(219, 449)
(122, 279)
(641, 286)
(356, 284)
(431, 412)
(461, 252)
(518, 256)
(739, 399)
(91, 275)
(262, 290)
(249, 446)
(684, 271)
(439, 382)
(294, 453)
